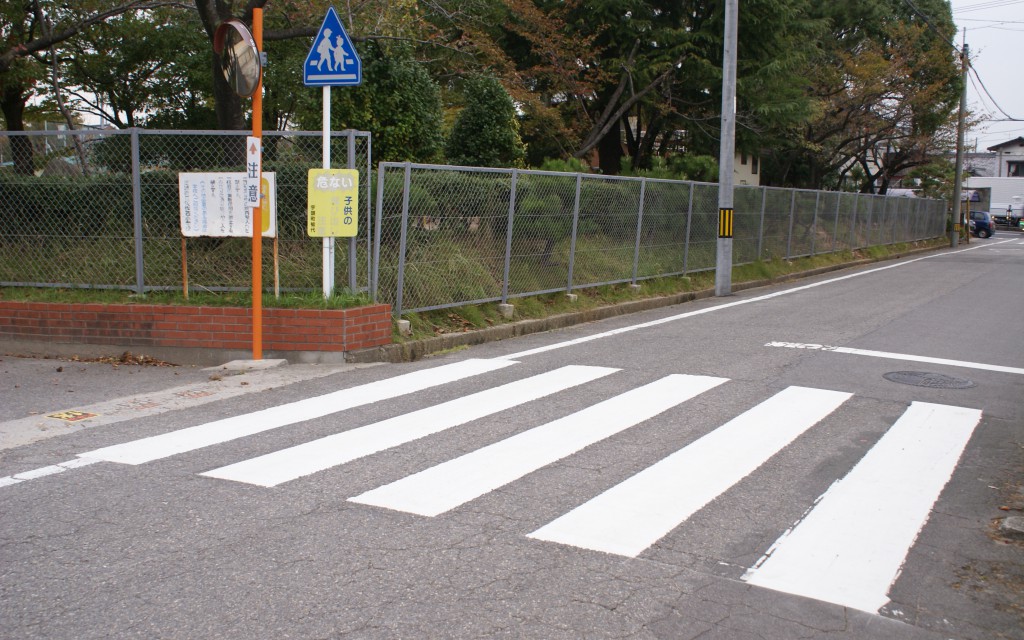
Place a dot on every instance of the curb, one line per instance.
(417, 349)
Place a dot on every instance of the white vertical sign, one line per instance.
(252, 172)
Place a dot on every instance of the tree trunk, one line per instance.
(609, 151)
(12, 103)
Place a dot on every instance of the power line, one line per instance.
(994, 4)
(990, 20)
(1009, 118)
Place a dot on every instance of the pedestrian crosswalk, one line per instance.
(305, 459)
(638, 512)
(848, 548)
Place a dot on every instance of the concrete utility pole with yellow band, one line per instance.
(727, 152)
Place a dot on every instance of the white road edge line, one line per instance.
(898, 356)
(42, 472)
(729, 305)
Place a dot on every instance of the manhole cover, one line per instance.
(930, 380)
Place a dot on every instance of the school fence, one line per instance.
(100, 209)
(448, 236)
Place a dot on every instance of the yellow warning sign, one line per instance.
(725, 217)
(73, 416)
(333, 203)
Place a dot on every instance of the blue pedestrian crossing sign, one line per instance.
(332, 60)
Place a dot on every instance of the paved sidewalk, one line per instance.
(45, 397)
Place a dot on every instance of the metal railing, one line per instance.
(449, 236)
(99, 209)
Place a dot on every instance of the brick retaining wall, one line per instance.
(147, 325)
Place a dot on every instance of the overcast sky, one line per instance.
(995, 35)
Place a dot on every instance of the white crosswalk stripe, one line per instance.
(288, 464)
(848, 550)
(220, 431)
(458, 481)
(635, 514)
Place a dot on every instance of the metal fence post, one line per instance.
(351, 164)
(689, 224)
(140, 286)
(895, 220)
(639, 228)
(403, 234)
(760, 227)
(370, 235)
(835, 225)
(375, 266)
(814, 222)
(871, 213)
(575, 225)
(508, 237)
(853, 223)
(792, 214)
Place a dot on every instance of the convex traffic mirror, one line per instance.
(239, 57)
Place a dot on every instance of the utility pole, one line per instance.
(727, 152)
(958, 220)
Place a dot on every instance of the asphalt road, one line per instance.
(736, 467)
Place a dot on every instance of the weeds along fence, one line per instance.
(448, 236)
(100, 209)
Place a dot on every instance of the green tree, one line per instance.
(398, 102)
(137, 63)
(885, 85)
(486, 131)
(29, 31)
(643, 78)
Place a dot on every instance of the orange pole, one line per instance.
(257, 213)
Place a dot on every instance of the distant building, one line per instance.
(996, 178)
(1004, 160)
(980, 164)
(1009, 158)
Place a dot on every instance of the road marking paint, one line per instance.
(633, 515)
(311, 457)
(220, 431)
(42, 472)
(729, 305)
(21, 431)
(850, 547)
(453, 483)
(898, 356)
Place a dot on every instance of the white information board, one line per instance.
(214, 204)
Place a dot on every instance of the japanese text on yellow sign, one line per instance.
(333, 197)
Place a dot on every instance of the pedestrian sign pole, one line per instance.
(332, 61)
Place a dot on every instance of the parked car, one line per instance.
(982, 224)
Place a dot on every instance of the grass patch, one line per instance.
(473, 278)
(302, 300)
(428, 324)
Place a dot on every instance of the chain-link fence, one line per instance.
(101, 209)
(447, 236)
